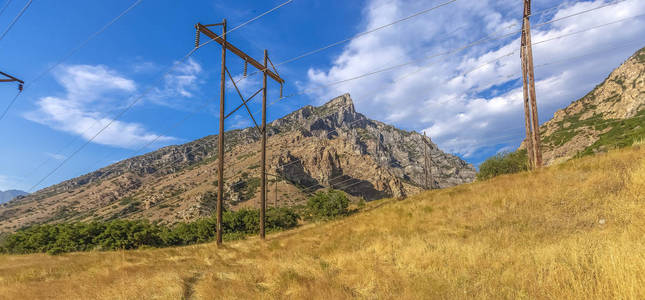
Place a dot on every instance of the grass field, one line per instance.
(572, 231)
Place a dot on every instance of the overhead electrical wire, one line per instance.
(4, 7)
(416, 14)
(70, 53)
(13, 22)
(340, 81)
(137, 99)
(498, 138)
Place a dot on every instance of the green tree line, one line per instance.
(134, 234)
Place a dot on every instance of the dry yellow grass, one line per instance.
(573, 231)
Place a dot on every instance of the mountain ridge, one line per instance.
(328, 146)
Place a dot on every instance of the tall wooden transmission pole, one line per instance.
(227, 46)
(220, 138)
(263, 190)
(527, 110)
(527, 59)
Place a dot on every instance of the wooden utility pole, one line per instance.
(263, 190)
(527, 56)
(527, 110)
(203, 29)
(220, 138)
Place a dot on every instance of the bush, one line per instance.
(503, 163)
(327, 205)
(126, 234)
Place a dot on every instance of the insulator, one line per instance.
(246, 66)
(20, 87)
(281, 90)
(197, 38)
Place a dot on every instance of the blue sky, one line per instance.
(467, 101)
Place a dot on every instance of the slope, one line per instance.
(574, 230)
(312, 148)
(610, 116)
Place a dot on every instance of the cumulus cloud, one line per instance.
(180, 85)
(91, 93)
(471, 100)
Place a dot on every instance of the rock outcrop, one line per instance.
(611, 115)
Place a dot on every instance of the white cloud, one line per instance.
(55, 156)
(473, 100)
(92, 92)
(180, 85)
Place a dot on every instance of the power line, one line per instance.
(4, 7)
(419, 13)
(84, 42)
(4, 113)
(72, 52)
(13, 22)
(491, 37)
(127, 108)
(383, 70)
(406, 18)
(342, 41)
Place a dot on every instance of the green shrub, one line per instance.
(327, 205)
(503, 163)
(127, 234)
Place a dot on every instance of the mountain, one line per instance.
(309, 149)
(7, 196)
(610, 116)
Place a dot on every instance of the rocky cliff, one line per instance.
(331, 146)
(611, 115)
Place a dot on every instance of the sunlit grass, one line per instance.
(569, 231)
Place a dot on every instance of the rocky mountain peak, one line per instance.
(341, 103)
(328, 146)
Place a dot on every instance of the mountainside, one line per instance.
(612, 115)
(309, 149)
(6, 196)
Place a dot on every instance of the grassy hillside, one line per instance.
(574, 230)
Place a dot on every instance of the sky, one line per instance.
(453, 71)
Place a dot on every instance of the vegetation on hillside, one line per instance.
(571, 231)
(327, 205)
(622, 133)
(503, 163)
(134, 234)
(129, 234)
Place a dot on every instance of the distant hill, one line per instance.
(310, 149)
(6, 196)
(610, 116)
